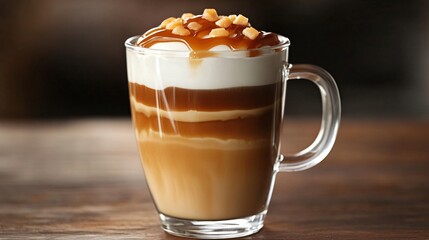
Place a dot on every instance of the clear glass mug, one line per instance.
(208, 132)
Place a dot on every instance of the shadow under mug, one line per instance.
(208, 132)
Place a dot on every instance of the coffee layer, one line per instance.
(207, 179)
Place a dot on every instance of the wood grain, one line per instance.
(81, 179)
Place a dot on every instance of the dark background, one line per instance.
(61, 59)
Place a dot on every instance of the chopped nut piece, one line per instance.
(232, 17)
(241, 20)
(180, 30)
(187, 15)
(224, 22)
(176, 22)
(167, 21)
(251, 33)
(210, 14)
(194, 26)
(219, 32)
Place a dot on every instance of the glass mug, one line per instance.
(208, 132)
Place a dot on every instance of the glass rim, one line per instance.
(130, 44)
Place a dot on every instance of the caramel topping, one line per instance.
(203, 32)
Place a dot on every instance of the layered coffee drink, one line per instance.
(206, 99)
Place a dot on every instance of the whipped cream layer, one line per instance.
(158, 71)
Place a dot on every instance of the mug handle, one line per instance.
(331, 114)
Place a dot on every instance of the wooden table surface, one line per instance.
(81, 179)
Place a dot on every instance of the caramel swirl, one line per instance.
(200, 39)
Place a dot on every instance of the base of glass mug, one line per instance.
(232, 228)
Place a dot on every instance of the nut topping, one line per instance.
(180, 30)
(167, 21)
(224, 22)
(210, 14)
(232, 17)
(219, 32)
(194, 26)
(241, 20)
(176, 22)
(250, 33)
(187, 15)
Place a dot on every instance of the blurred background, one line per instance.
(61, 59)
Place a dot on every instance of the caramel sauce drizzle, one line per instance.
(201, 41)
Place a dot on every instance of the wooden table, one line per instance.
(81, 179)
